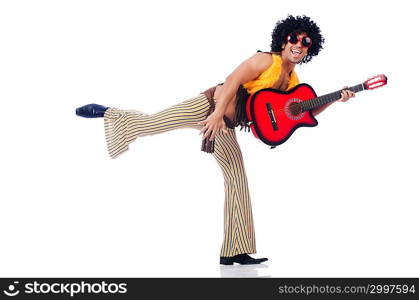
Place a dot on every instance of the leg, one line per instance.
(239, 233)
(122, 127)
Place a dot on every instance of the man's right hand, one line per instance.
(246, 71)
(211, 125)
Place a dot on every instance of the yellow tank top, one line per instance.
(271, 75)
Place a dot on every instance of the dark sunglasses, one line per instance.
(294, 39)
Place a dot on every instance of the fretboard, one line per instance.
(322, 100)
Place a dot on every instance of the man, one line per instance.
(216, 112)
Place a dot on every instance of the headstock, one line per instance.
(375, 82)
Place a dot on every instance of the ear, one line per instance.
(283, 46)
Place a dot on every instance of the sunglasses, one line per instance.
(294, 39)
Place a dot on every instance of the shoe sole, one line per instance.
(224, 261)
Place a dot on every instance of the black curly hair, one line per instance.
(298, 25)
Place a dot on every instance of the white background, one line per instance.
(340, 199)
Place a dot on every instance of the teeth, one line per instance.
(295, 51)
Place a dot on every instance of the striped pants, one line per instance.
(123, 126)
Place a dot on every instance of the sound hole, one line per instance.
(295, 109)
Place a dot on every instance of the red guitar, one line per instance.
(275, 115)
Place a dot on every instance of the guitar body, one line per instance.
(275, 115)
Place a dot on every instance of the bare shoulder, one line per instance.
(261, 60)
(251, 68)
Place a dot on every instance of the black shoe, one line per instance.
(91, 111)
(243, 259)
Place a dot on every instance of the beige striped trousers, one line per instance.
(122, 127)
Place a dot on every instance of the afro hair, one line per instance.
(298, 25)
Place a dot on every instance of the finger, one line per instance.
(213, 134)
(347, 94)
(208, 133)
(204, 132)
(350, 93)
(343, 96)
(203, 129)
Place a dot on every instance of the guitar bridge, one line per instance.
(272, 116)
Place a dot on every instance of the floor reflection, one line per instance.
(244, 271)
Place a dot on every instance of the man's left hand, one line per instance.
(346, 94)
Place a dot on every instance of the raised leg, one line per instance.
(122, 127)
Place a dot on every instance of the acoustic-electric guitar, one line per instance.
(274, 115)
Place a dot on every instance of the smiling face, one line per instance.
(294, 53)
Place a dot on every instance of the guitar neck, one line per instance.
(322, 100)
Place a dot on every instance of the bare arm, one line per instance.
(246, 71)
